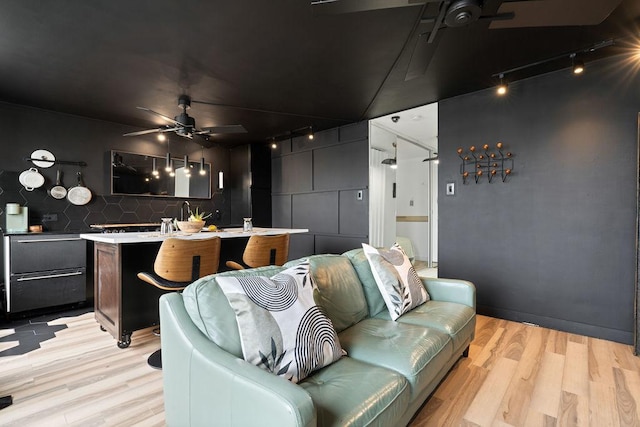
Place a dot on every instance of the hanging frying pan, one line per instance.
(79, 195)
(58, 191)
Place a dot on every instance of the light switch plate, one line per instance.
(451, 188)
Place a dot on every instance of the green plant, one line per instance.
(197, 215)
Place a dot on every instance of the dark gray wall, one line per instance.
(76, 138)
(315, 184)
(555, 243)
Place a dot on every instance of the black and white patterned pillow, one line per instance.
(397, 280)
(282, 329)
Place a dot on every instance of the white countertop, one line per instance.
(154, 236)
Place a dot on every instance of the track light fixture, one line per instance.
(577, 64)
(502, 87)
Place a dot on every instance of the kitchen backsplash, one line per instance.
(60, 215)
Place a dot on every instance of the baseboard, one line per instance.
(625, 337)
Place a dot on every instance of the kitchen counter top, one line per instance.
(144, 237)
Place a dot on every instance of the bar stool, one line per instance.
(179, 263)
(262, 251)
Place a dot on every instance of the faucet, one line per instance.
(182, 216)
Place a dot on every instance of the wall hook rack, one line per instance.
(56, 162)
(488, 162)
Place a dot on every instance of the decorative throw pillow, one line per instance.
(399, 284)
(282, 330)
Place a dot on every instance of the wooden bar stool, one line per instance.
(262, 251)
(179, 263)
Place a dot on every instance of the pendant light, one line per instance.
(186, 165)
(392, 162)
(203, 170)
(168, 165)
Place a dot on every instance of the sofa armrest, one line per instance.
(451, 290)
(204, 385)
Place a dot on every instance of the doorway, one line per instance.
(403, 186)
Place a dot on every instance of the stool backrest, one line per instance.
(266, 250)
(182, 260)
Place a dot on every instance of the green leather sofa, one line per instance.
(389, 371)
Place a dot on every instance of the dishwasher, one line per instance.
(43, 270)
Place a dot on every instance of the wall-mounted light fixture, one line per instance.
(577, 65)
(435, 159)
(489, 163)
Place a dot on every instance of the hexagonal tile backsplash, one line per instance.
(100, 210)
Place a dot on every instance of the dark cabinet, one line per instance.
(43, 271)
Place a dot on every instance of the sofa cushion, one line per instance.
(282, 329)
(353, 393)
(340, 292)
(416, 352)
(372, 294)
(457, 320)
(210, 311)
(399, 284)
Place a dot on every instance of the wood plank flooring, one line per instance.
(515, 375)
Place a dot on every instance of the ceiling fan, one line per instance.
(185, 126)
(460, 13)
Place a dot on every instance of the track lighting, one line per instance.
(578, 65)
(502, 87)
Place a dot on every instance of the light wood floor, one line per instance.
(516, 375)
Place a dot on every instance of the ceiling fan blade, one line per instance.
(169, 119)
(554, 13)
(425, 47)
(144, 132)
(227, 129)
(350, 6)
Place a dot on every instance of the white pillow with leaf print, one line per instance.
(397, 280)
(282, 330)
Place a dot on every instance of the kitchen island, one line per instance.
(122, 302)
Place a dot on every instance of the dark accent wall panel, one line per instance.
(337, 244)
(354, 213)
(341, 166)
(281, 210)
(297, 172)
(301, 245)
(316, 211)
(555, 243)
(315, 187)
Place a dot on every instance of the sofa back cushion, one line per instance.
(360, 263)
(339, 291)
(211, 312)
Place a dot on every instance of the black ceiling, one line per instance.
(275, 66)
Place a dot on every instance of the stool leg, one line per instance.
(5, 401)
(155, 360)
